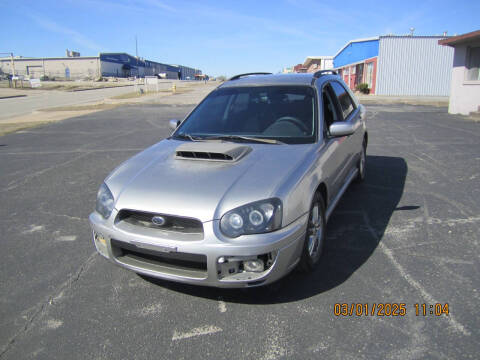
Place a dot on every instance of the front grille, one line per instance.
(172, 223)
(177, 263)
(204, 155)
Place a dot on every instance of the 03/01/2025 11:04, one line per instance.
(389, 309)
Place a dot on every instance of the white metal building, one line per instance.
(413, 66)
(105, 64)
(61, 67)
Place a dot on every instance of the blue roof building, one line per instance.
(397, 65)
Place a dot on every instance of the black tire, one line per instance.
(316, 235)
(362, 164)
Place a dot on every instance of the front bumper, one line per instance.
(197, 261)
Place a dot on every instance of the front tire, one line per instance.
(362, 164)
(315, 236)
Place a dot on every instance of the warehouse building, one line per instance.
(316, 63)
(299, 69)
(61, 67)
(105, 64)
(187, 73)
(125, 65)
(311, 65)
(397, 65)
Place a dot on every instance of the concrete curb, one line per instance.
(12, 96)
(399, 102)
(100, 88)
(409, 100)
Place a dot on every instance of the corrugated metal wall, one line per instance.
(410, 65)
(75, 67)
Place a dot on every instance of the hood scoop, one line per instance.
(211, 151)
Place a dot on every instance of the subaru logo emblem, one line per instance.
(158, 220)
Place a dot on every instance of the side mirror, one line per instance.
(363, 111)
(342, 128)
(174, 124)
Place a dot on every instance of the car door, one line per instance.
(349, 113)
(335, 153)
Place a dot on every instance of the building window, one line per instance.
(473, 64)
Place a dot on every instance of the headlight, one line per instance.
(104, 201)
(254, 218)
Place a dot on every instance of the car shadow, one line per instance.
(354, 231)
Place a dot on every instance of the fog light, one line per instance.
(253, 265)
(100, 243)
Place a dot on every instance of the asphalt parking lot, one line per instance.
(409, 234)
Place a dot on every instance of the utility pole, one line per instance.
(136, 47)
(14, 82)
(13, 64)
(13, 67)
(12, 61)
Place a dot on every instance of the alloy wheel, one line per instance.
(315, 231)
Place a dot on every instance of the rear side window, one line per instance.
(346, 102)
(330, 112)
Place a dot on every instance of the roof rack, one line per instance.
(324, 72)
(319, 73)
(236, 77)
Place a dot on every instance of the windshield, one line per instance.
(282, 113)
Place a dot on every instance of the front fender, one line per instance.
(298, 189)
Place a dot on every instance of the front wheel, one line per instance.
(362, 163)
(315, 236)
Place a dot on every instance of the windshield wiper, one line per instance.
(187, 136)
(243, 138)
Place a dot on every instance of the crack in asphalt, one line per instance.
(47, 212)
(457, 326)
(454, 128)
(51, 300)
(27, 178)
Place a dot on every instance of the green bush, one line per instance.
(363, 88)
(44, 78)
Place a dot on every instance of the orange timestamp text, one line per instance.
(388, 309)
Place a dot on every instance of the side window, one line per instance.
(330, 112)
(346, 102)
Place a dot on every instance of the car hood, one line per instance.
(159, 180)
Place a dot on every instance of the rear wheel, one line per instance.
(315, 236)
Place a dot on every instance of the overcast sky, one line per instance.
(220, 37)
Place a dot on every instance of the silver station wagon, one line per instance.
(240, 193)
